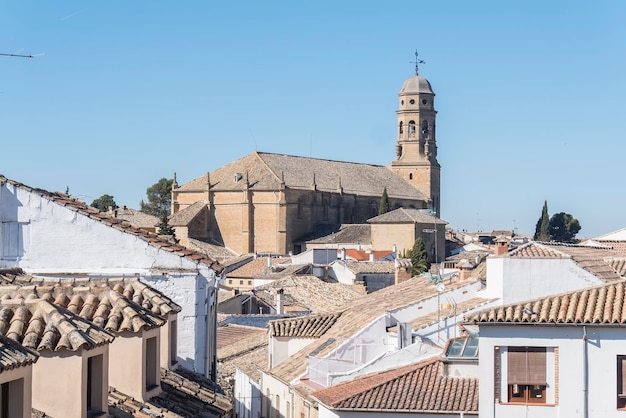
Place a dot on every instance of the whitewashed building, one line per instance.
(53, 235)
(556, 356)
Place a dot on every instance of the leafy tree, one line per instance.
(563, 227)
(542, 230)
(104, 202)
(418, 256)
(159, 199)
(384, 203)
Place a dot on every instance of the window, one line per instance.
(173, 342)
(425, 129)
(15, 240)
(621, 382)
(240, 281)
(95, 399)
(526, 376)
(401, 127)
(249, 282)
(230, 281)
(411, 127)
(151, 364)
(277, 408)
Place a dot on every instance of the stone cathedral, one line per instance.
(265, 202)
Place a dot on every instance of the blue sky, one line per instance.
(530, 96)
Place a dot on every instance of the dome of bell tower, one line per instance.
(416, 85)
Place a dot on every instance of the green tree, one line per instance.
(384, 206)
(563, 227)
(104, 202)
(418, 256)
(542, 230)
(165, 228)
(159, 197)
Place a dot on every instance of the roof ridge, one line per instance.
(258, 155)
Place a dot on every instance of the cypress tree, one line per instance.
(542, 230)
(384, 203)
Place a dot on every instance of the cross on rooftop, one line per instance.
(417, 62)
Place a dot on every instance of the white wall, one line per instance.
(603, 346)
(280, 348)
(59, 241)
(517, 279)
(247, 396)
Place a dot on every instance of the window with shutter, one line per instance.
(526, 374)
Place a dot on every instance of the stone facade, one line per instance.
(264, 203)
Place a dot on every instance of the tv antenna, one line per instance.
(17, 55)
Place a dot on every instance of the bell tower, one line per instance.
(416, 147)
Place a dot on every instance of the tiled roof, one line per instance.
(223, 255)
(596, 260)
(186, 215)
(134, 217)
(254, 267)
(92, 213)
(310, 326)
(265, 171)
(184, 394)
(39, 325)
(339, 234)
(419, 387)
(14, 355)
(359, 313)
(236, 345)
(308, 293)
(445, 312)
(364, 267)
(402, 215)
(596, 305)
(115, 304)
(362, 255)
(253, 362)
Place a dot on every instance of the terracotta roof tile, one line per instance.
(419, 387)
(184, 394)
(308, 293)
(596, 260)
(39, 325)
(255, 267)
(82, 208)
(14, 355)
(362, 267)
(243, 347)
(123, 304)
(311, 326)
(604, 304)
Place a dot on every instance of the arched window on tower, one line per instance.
(401, 128)
(411, 128)
(425, 129)
(410, 176)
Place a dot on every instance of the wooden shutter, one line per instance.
(526, 366)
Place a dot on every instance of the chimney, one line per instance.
(280, 301)
(403, 270)
(343, 254)
(502, 246)
(372, 257)
(269, 261)
(466, 269)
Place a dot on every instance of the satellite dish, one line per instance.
(440, 287)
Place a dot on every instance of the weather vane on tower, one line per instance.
(417, 62)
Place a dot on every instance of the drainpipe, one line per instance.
(585, 374)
